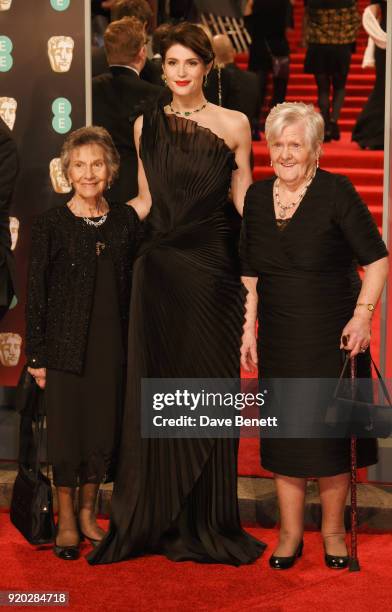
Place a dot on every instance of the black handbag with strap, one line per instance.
(32, 500)
(353, 410)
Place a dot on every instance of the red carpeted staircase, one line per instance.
(364, 168)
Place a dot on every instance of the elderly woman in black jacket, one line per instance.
(77, 308)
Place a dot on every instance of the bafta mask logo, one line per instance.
(59, 182)
(10, 349)
(14, 231)
(8, 111)
(60, 5)
(60, 52)
(6, 59)
(5, 5)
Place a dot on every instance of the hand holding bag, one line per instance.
(32, 501)
(351, 415)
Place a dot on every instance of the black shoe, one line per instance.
(336, 561)
(93, 542)
(335, 131)
(327, 136)
(66, 553)
(284, 563)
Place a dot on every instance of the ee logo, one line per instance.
(61, 121)
(6, 60)
(60, 5)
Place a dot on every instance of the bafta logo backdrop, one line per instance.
(42, 98)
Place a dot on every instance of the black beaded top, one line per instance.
(61, 281)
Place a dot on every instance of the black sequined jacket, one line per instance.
(61, 282)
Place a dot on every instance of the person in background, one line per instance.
(369, 128)
(331, 30)
(141, 10)
(266, 21)
(247, 82)
(9, 166)
(78, 295)
(304, 232)
(120, 95)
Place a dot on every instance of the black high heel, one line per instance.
(284, 563)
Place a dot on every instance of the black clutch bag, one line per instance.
(32, 500)
(353, 411)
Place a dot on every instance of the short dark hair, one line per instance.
(132, 8)
(123, 40)
(91, 135)
(191, 36)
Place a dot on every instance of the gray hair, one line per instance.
(287, 113)
(91, 135)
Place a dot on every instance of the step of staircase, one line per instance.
(258, 503)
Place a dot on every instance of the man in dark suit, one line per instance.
(9, 166)
(140, 9)
(120, 96)
(249, 102)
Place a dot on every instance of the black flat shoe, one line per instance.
(66, 553)
(284, 563)
(336, 561)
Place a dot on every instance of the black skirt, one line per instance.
(83, 411)
(328, 59)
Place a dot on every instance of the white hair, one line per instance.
(287, 113)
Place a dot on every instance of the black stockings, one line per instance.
(324, 83)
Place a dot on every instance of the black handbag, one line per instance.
(32, 500)
(353, 412)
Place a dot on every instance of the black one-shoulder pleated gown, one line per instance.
(178, 497)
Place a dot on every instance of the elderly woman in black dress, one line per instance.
(304, 231)
(77, 309)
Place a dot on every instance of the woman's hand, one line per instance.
(39, 374)
(356, 335)
(249, 351)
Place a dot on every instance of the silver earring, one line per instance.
(271, 163)
(163, 77)
(205, 80)
(317, 162)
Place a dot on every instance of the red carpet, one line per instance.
(364, 168)
(154, 583)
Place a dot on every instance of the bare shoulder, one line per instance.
(233, 118)
(232, 125)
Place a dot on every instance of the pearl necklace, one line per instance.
(187, 113)
(283, 208)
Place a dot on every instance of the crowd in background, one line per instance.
(329, 38)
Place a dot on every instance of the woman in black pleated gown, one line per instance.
(178, 497)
